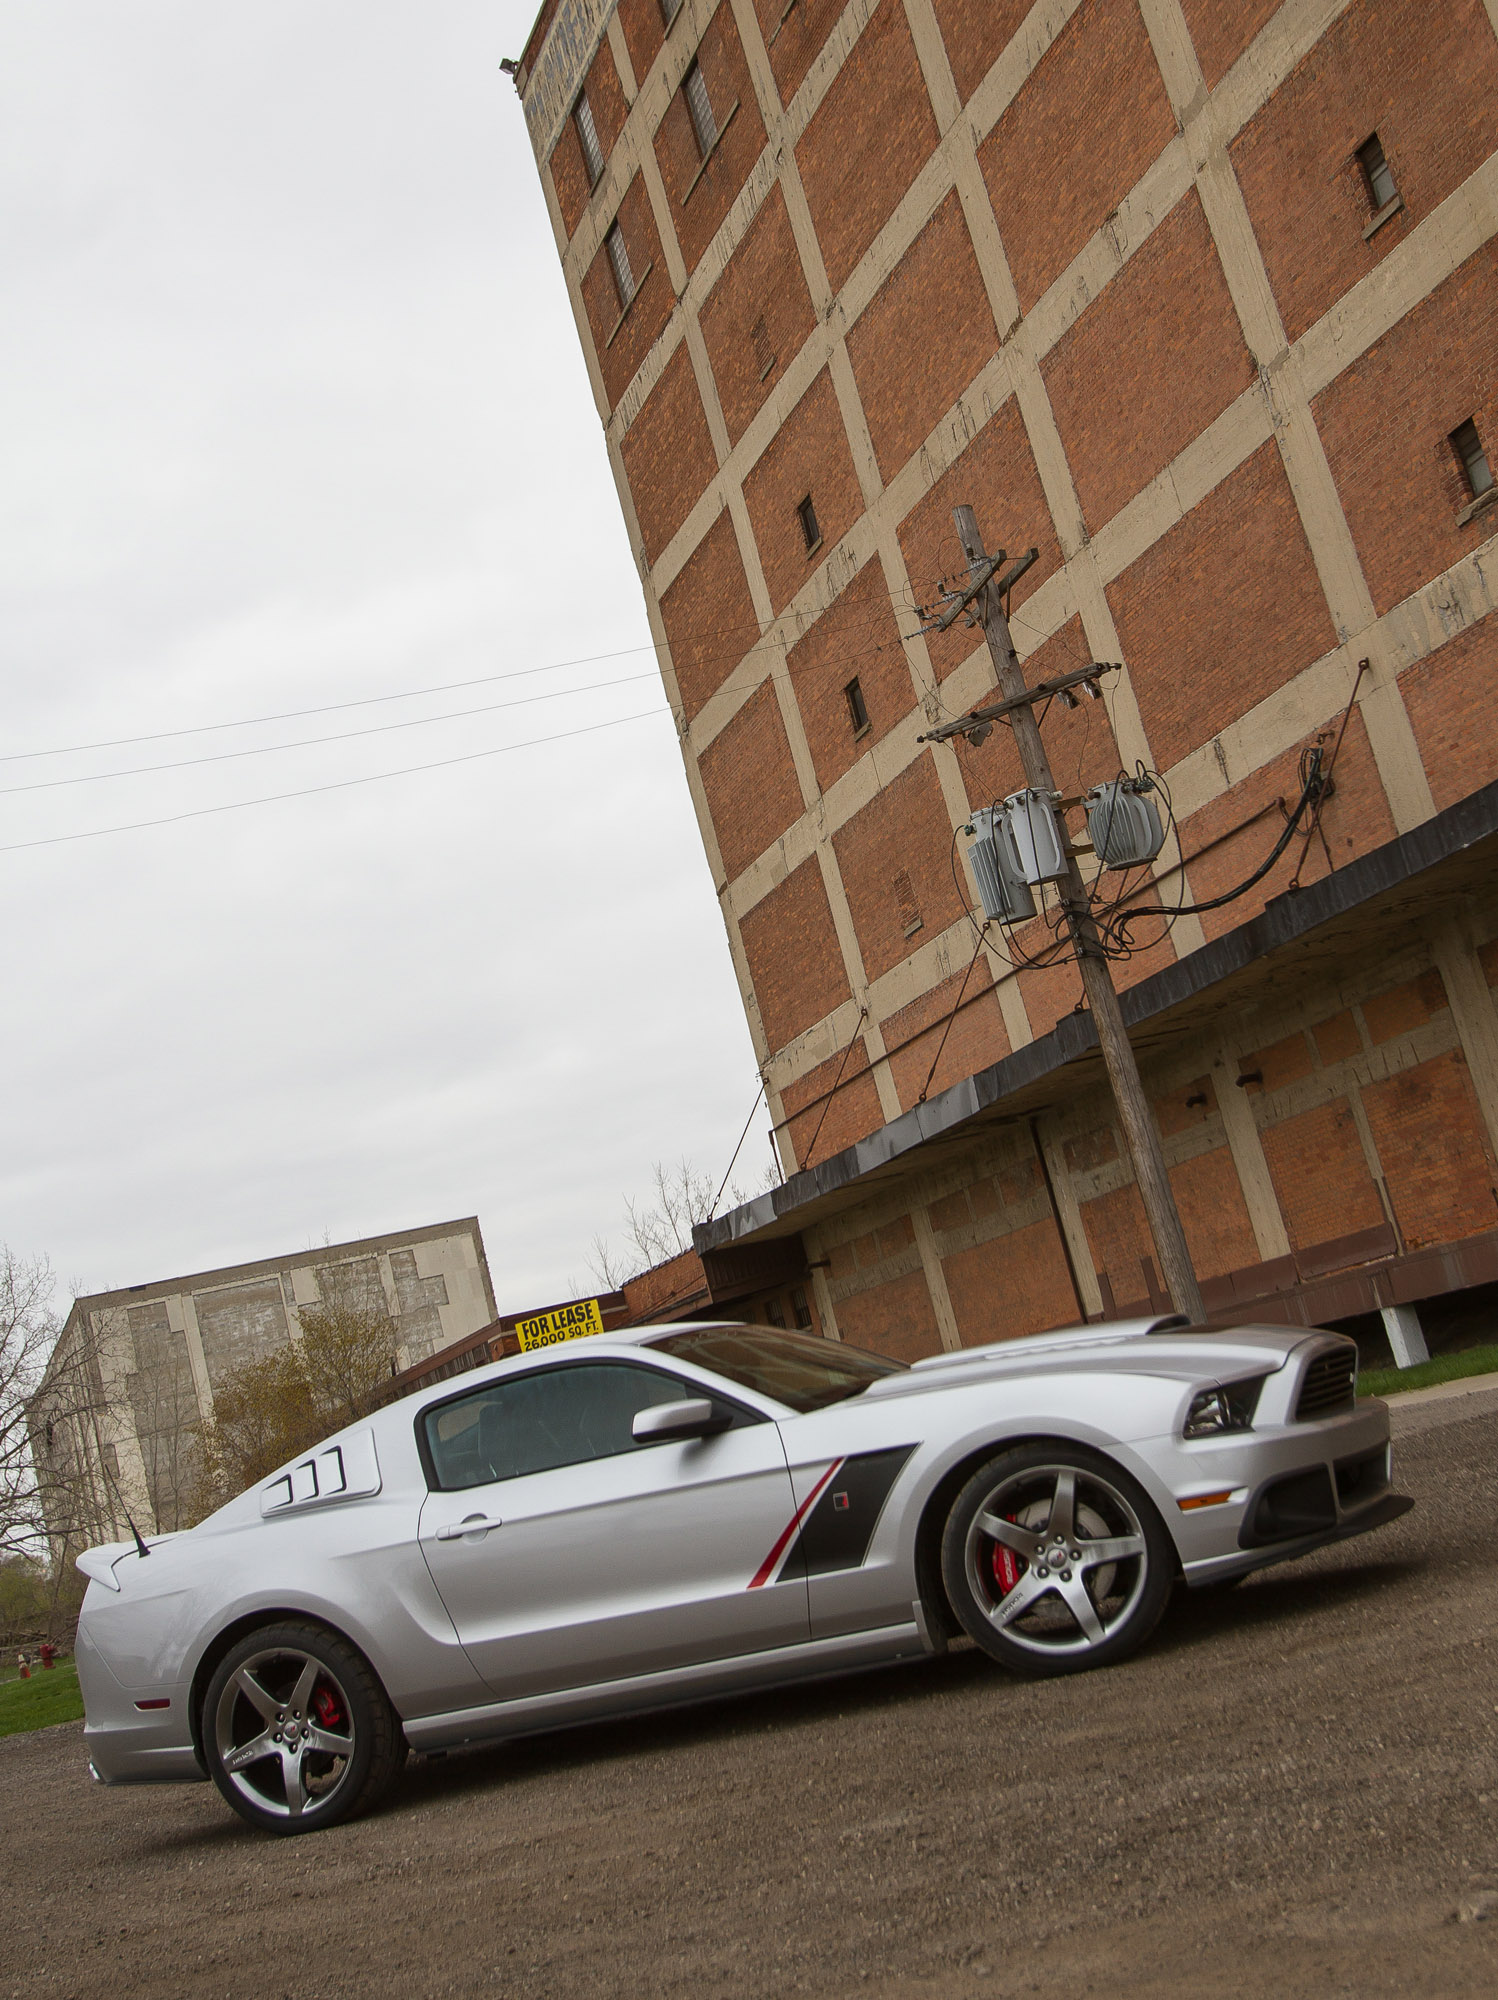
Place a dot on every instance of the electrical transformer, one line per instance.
(1122, 824)
(1032, 835)
(1003, 889)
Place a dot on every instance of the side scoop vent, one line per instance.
(348, 1470)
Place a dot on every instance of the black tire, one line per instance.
(297, 1732)
(1095, 1568)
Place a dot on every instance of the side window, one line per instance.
(536, 1421)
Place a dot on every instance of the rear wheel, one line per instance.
(297, 1731)
(1055, 1561)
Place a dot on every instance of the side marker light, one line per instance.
(157, 1701)
(1195, 1500)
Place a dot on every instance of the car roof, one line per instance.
(564, 1350)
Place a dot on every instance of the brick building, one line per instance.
(1200, 299)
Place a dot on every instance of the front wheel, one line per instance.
(297, 1730)
(1055, 1561)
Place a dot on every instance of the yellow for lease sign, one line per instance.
(574, 1322)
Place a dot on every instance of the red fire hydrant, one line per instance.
(49, 1654)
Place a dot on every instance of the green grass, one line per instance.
(41, 1701)
(1445, 1368)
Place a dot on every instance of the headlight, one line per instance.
(1229, 1408)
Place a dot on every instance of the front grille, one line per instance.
(1329, 1385)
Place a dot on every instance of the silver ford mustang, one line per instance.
(681, 1512)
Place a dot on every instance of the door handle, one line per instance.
(475, 1524)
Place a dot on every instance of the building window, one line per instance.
(764, 353)
(774, 1313)
(624, 279)
(800, 1308)
(858, 711)
(587, 136)
(699, 109)
(1473, 459)
(809, 528)
(1377, 173)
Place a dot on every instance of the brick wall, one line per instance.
(907, 379)
(1426, 80)
(757, 316)
(1066, 304)
(1095, 111)
(668, 453)
(1225, 608)
(1150, 363)
(867, 141)
(856, 638)
(807, 458)
(709, 616)
(701, 191)
(1386, 423)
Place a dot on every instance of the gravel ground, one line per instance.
(1293, 1790)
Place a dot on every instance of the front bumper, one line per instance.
(1249, 1499)
(1376, 1515)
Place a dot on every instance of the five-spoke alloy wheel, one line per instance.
(1054, 1560)
(297, 1730)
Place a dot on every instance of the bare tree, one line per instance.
(659, 1226)
(28, 1330)
(74, 1432)
(163, 1400)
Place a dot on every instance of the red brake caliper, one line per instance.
(329, 1713)
(1008, 1568)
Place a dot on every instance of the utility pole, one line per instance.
(1141, 1134)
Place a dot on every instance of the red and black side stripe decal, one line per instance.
(834, 1526)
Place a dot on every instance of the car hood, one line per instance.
(1164, 1346)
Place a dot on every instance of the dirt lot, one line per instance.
(1292, 1791)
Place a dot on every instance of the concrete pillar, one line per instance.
(1406, 1335)
(936, 1277)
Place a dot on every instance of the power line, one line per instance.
(338, 736)
(840, 661)
(446, 687)
(328, 708)
(338, 785)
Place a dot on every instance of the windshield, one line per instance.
(797, 1369)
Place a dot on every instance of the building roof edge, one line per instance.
(1287, 918)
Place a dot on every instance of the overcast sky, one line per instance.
(294, 415)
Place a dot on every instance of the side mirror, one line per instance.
(694, 1417)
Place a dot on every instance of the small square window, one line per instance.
(858, 710)
(699, 109)
(1377, 173)
(809, 527)
(799, 1308)
(587, 135)
(1472, 458)
(624, 278)
(774, 1312)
